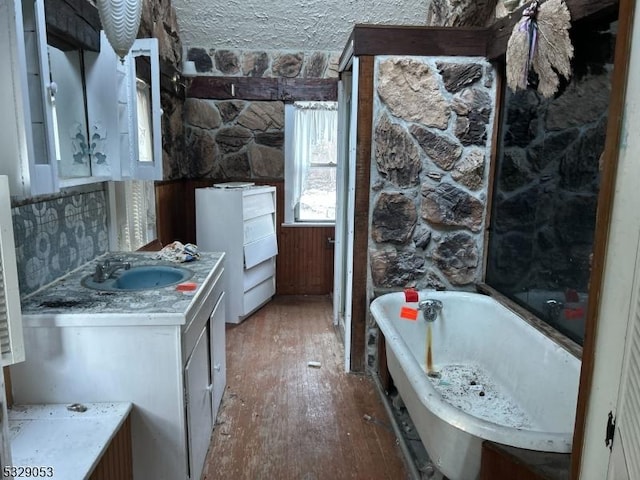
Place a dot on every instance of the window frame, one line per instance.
(291, 214)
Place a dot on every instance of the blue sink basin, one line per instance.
(144, 277)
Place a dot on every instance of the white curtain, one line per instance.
(315, 123)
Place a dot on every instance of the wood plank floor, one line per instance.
(281, 419)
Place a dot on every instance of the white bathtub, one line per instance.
(475, 332)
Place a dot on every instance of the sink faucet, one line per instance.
(105, 269)
(430, 309)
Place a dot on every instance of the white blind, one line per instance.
(135, 206)
(629, 419)
(5, 342)
(11, 339)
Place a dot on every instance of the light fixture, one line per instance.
(120, 21)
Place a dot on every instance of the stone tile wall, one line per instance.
(234, 139)
(242, 139)
(264, 63)
(433, 120)
(159, 20)
(53, 236)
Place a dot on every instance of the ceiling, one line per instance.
(301, 25)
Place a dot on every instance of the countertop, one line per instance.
(66, 302)
(70, 443)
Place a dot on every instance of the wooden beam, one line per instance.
(364, 134)
(579, 9)
(423, 41)
(252, 88)
(72, 24)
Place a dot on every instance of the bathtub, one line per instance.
(500, 379)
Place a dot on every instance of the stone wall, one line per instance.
(462, 13)
(242, 139)
(159, 21)
(264, 63)
(433, 120)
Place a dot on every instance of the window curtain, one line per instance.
(314, 124)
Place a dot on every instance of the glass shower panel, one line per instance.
(546, 188)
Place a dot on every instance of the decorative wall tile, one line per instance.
(56, 235)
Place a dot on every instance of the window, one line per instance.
(133, 214)
(310, 162)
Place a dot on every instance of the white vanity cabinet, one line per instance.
(163, 350)
(241, 221)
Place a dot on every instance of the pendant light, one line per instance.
(120, 21)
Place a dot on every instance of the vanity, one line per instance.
(162, 349)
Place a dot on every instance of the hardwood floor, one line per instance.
(281, 419)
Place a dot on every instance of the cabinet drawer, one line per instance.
(258, 204)
(253, 276)
(259, 295)
(258, 227)
(260, 250)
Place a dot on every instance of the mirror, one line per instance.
(142, 89)
(73, 147)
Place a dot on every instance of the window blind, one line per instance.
(11, 339)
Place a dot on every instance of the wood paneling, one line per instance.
(603, 221)
(304, 265)
(253, 88)
(412, 40)
(116, 462)
(579, 9)
(360, 308)
(173, 213)
(305, 261)
(281, 419)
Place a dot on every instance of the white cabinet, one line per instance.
(77, 112)
(169, 363)
(241, 221)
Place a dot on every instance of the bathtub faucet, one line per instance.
(554, 309)
(430, 309)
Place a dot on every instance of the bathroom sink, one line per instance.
(143, 277)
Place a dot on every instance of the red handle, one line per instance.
(410, 295)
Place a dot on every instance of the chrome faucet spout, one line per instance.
(430, 309)
(105, 269)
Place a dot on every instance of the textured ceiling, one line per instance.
(287, 24)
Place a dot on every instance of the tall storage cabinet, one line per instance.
(241, 221)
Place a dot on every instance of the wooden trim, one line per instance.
(116, 462)
(422, 41)
(8, 389)
(364, 133)
(501, 30)
(152, 246)
(383, 369)
(72, 24)
(269, 89)
(547, 330)
(495, 140)
(603, 222)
